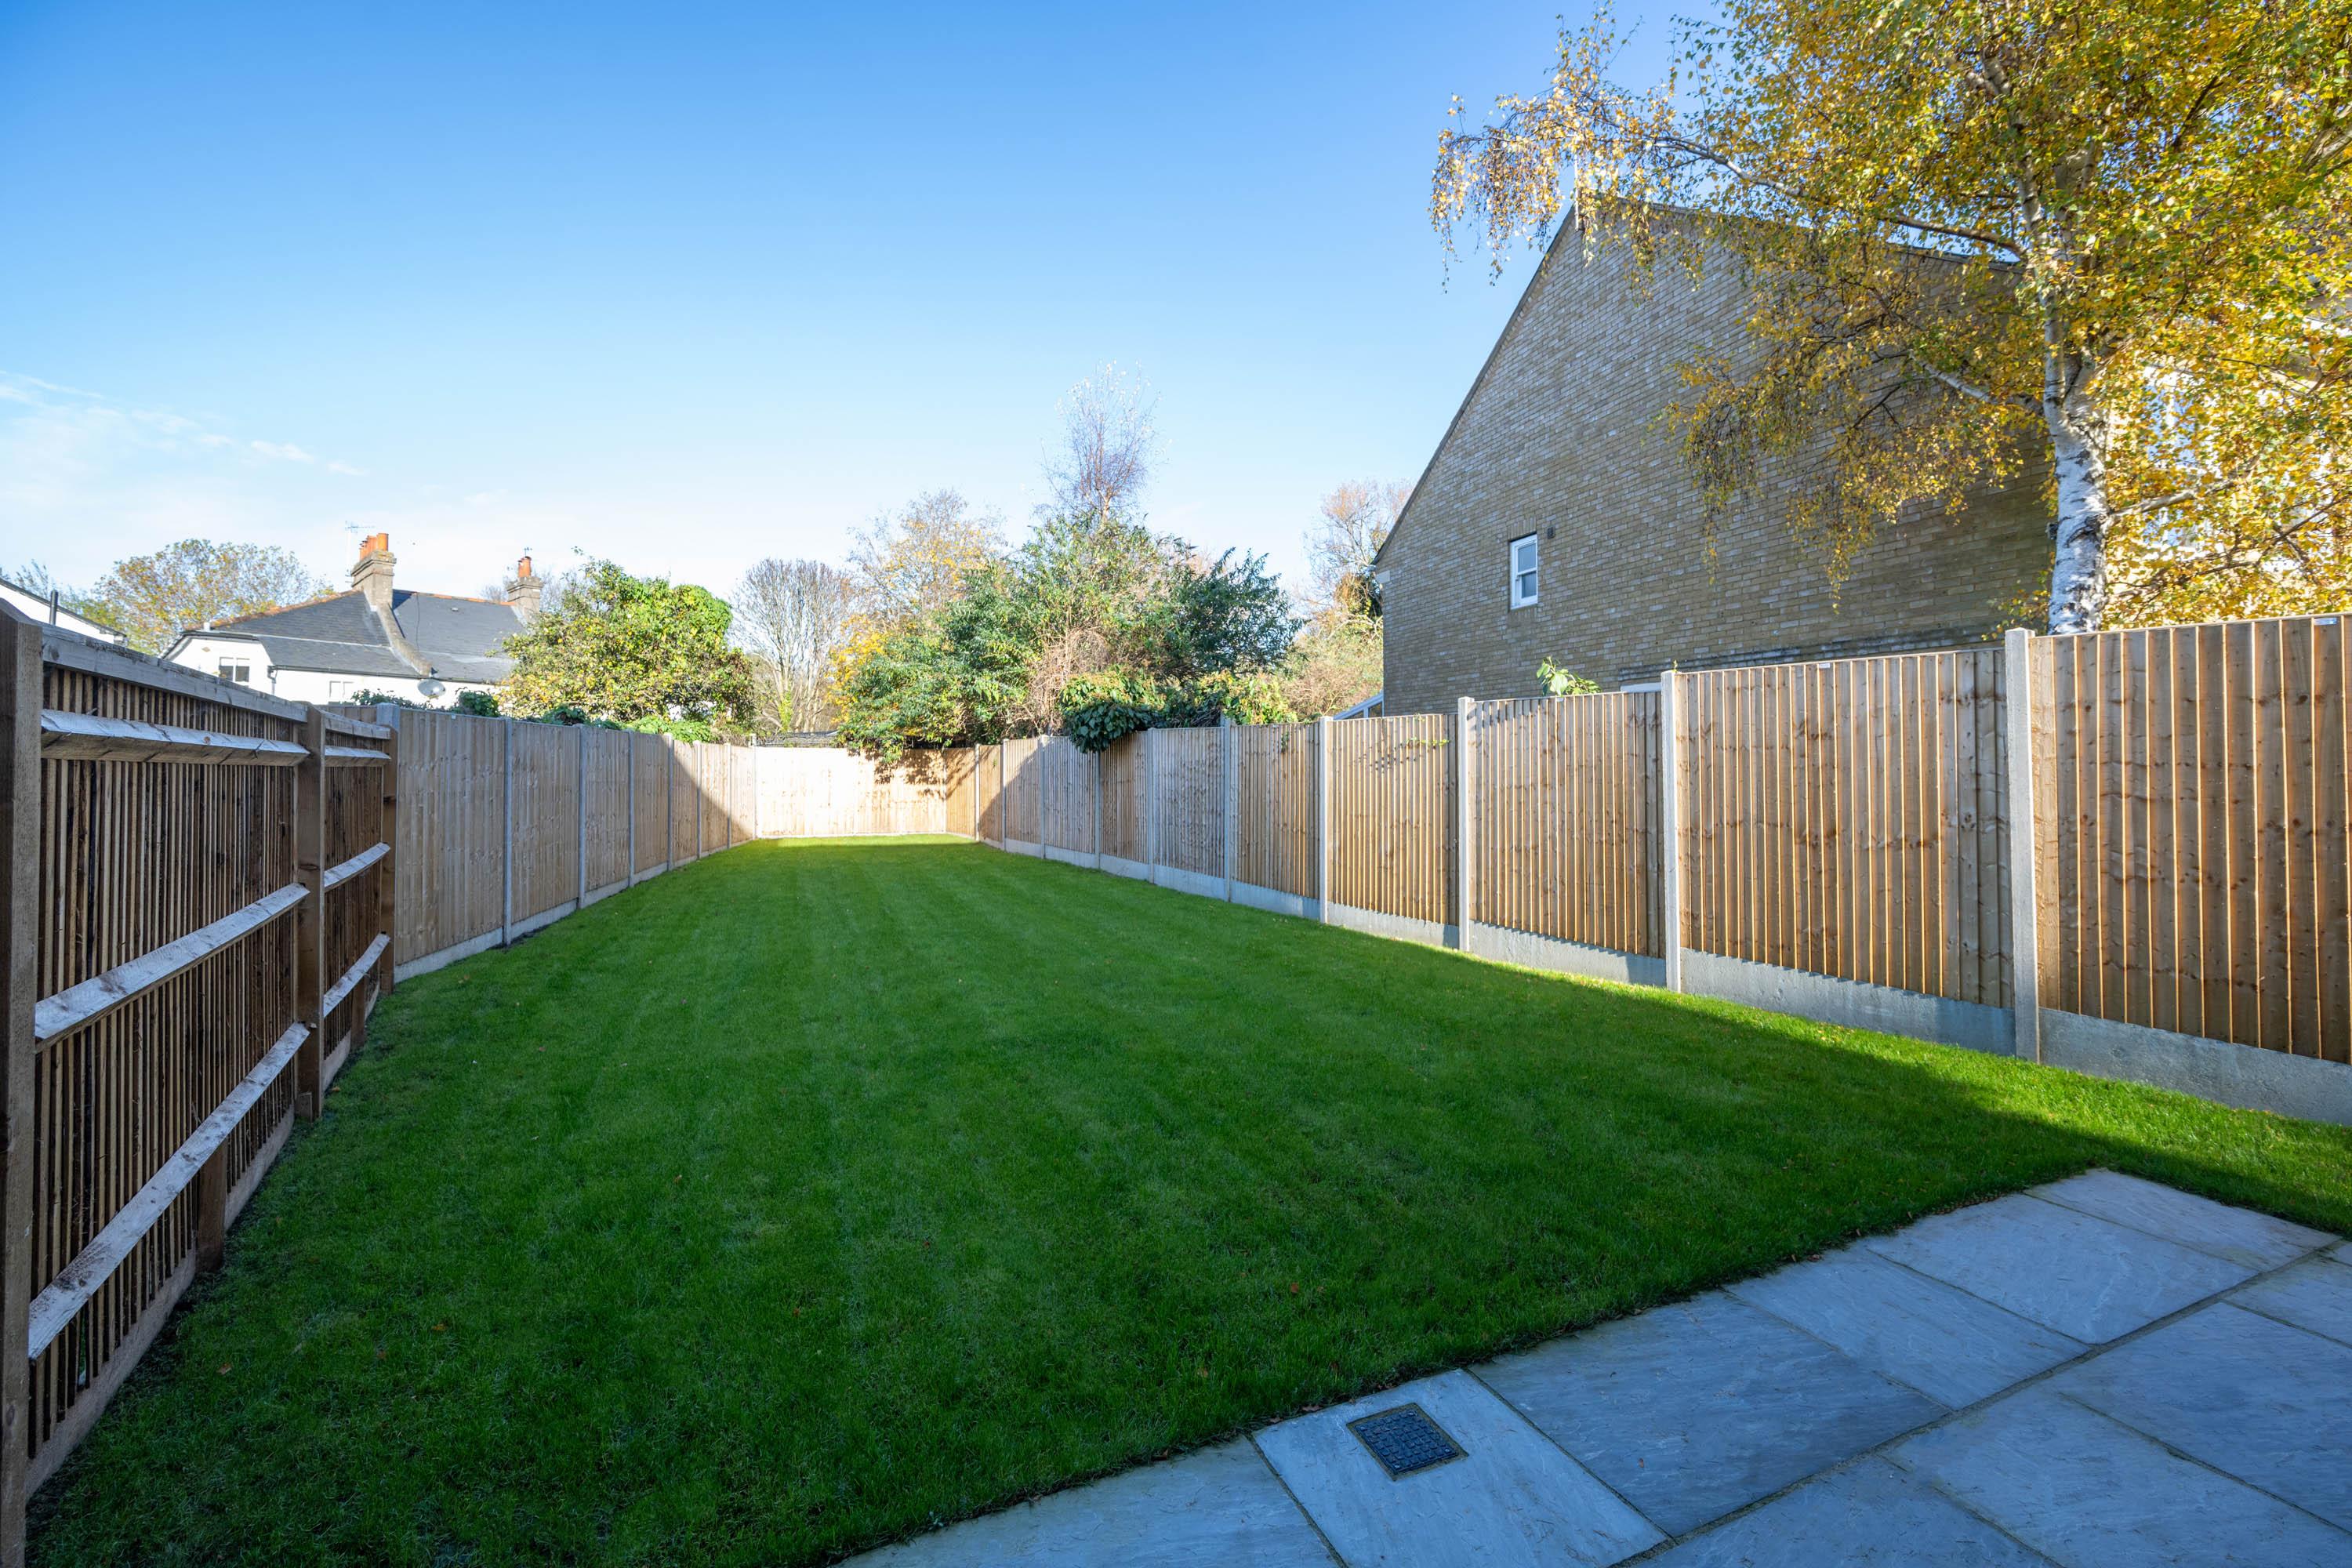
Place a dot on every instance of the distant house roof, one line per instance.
(458, 639)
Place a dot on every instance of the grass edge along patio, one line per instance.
(215, 749)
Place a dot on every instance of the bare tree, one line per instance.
(795, 616)
(908, 562)
(1354, 523)
(1108, 446)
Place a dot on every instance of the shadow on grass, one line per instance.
(817, 1192)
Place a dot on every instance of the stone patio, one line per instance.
(2099, 1372)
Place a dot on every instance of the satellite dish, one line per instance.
(430, 687)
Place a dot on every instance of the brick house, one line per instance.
(1559, 519)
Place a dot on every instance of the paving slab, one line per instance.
(1512, 1498)
(1952, 1346)
(2267, 1402)
(1871, 1513)
(2241, 1236)
(2343, 1254)
(2087, 1277)
(2090, 1493)
(2315, 1294)
(1219, 1505)
(1698, 1409)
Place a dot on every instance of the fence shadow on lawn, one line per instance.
(978, 1160)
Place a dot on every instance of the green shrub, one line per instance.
(1097, 709)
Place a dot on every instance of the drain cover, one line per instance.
(1404, 1440)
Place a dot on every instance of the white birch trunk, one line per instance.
(2078, 447)
(2078, 569)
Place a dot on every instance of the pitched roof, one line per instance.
(459, 637)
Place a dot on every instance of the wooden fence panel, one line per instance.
(1565, 830)
(1850, 818)
(1124, 798)
(1066, 779)
(2197, 877)
(1191, 800)
(1274, 799)
(709, 800)
(452, 811)
(684, 803)
(649, 760)
(1023, 799)
(988, 793)
(812, 792)
(609, 752)
(962, 799)
(1393, 815)
(546, 817)
(796, 792)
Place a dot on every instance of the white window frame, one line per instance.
(1533, 569)
(238, 670)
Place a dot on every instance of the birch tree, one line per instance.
(2106, 239)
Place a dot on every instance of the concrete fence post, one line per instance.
(1323, 818)
(1670, 821)
(1463, 850)
(2024, 902)
(1232, 790)
(506, 854)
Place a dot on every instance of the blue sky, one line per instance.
(691, 285)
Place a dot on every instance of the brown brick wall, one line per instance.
(1561, 437)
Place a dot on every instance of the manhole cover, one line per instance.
(1404, 1440)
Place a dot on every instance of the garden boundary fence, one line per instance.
(197, 925)
(2122, 852)
(508, 826)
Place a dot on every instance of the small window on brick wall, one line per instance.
(1523, 571)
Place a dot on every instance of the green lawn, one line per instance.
(822, 1192)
